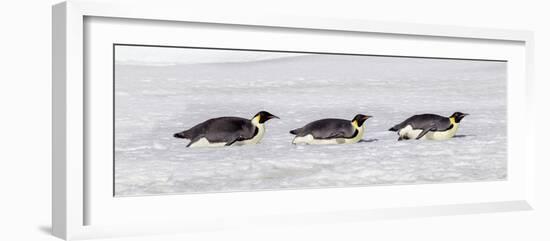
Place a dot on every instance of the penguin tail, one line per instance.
(393, 129)
(295, 132)
(182, 135)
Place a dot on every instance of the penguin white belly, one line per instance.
(203, 142)
(312, 141)
(409, 133)
(442, 135)
(357, 137)
(308, 139)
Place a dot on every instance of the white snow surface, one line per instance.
(154, 102)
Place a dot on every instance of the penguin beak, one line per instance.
(268, 117)
(367, 117)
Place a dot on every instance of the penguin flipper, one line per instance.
(192, 141)
(425, 131)
(229, 143)
(336, 134)
(234, 139)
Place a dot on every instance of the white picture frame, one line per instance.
(75, 191)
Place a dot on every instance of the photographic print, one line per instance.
(198, 120)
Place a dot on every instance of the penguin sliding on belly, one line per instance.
(227, 131)
(331, 131)
(429, 126)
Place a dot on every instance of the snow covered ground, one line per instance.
(155, 101)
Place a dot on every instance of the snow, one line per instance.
(154, 102)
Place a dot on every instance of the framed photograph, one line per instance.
(177, 121)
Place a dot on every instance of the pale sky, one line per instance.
(166, 55)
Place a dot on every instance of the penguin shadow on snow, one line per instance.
(367, 140)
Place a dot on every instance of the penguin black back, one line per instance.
(219, 129)
(227, 130)
(424, 121)
(316, 128)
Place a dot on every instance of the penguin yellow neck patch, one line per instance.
(256, 119)
(452, 119)
(354, 124)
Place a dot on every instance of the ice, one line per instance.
(148, 160)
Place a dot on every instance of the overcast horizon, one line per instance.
(172, 55)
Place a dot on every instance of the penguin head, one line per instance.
(263, 116)
(457, 116)
(360, 119)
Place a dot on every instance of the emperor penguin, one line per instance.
(331, 131)
(227, 131)
(429, 126)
